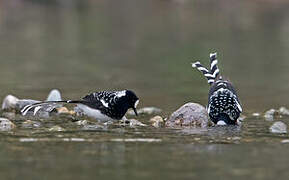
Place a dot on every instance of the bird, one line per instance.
(103, 105)
(224, 107)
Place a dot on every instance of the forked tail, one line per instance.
(214, 71)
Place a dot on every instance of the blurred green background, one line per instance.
(81, 46)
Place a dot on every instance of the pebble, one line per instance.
(278, 128)
(6, 124)
(134, 123)
(190, 114)
(283, 111)
(64, 110)
(146, 110)
(9, 102)
(54, 95)
(56, 128)
(157, 121)
(269, 115)
(256, 114)
(31, 124)
(81, 122)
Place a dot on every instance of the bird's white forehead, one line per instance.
(120, 93)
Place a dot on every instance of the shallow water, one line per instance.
(84, 46)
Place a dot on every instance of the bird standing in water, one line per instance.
(103, 106)
(224, 107)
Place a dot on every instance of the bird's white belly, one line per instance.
(93, 113)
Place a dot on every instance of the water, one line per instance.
(85, 46)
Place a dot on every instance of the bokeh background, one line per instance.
(82, 46)
(85, 46)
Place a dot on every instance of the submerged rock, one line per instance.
(190, 114)
(54, 95)
(9, 102)
(56, 128)
(157, 121)
(6, 124)
(278, 127)
(31, 124)
(283, 111)
(145, 110)
(269, 115)
(133, 123)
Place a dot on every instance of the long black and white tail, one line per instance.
(47, 105)
(214, 71)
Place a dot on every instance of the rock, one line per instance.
(133, 123)
(157, 121)
(54, 95)
(6, 124)
(278, 127)
(190, 114)
(9, 102)
(9, 115)
(64, 110)
(283, 111)
(56, 128)
(256, 114)
(269, 115)
(81, 122)
(146, 110)
(31, 124)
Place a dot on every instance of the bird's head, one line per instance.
(132, 100)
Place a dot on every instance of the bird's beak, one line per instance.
(135, 111)
(134, 108)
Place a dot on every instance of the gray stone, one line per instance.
(6, 124)
(9, 102)
(190, 114)
(54, 95)
(269, 115)
(283, 111)
(157, 121)
(56, 128)
(31, 124)
(278, 127)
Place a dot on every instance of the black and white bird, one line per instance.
(224, 107)
(103, 106)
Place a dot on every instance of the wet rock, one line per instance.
(56, 129)
(31, 124)
(190, 114)
(6, 124)
(81, 122)
(256, 114)
(278, 128)
(283, 111)
(269, 115)
(64, 110)
(54, 95)
(146, 110)
(134, 123)
(9, 102)
(157, 121)
(9, 115)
